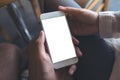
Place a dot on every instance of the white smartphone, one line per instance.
(58, 39)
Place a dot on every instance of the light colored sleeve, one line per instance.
(109, 23)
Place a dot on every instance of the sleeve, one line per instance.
(109, 23)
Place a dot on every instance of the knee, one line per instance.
(9, 61)
(9, 52)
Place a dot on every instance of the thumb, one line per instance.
(72, 69)
(70, 10)
(40, 42)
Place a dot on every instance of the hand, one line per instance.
(81, 21)
(40, 65)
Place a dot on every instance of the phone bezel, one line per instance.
(65, 62)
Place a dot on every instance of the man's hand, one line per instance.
(40, 64)
(81, 21)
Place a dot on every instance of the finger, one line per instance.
(75, 41)
(72, 69)
(69, 10)
(79, 53)
(40, 42)
(46, 47)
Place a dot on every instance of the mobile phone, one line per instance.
(58, 38)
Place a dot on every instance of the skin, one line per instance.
(40, 65)
(81, 21)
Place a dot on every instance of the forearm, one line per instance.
(109, 23)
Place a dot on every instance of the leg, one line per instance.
(9, 62)
(97, 61)
(52, 5)
(21, 26)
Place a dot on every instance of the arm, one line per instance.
(86, 22)
(109, 23)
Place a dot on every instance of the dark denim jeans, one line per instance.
(97, 61)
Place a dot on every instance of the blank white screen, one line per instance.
(58, 38)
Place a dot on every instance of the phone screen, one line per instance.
(58, 39)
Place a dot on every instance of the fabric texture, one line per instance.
(109, 26)
(97, 60)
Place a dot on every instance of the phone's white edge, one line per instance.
(51, 15)
(65, 63)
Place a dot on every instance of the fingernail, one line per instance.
(71, 72)
(61, 7)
